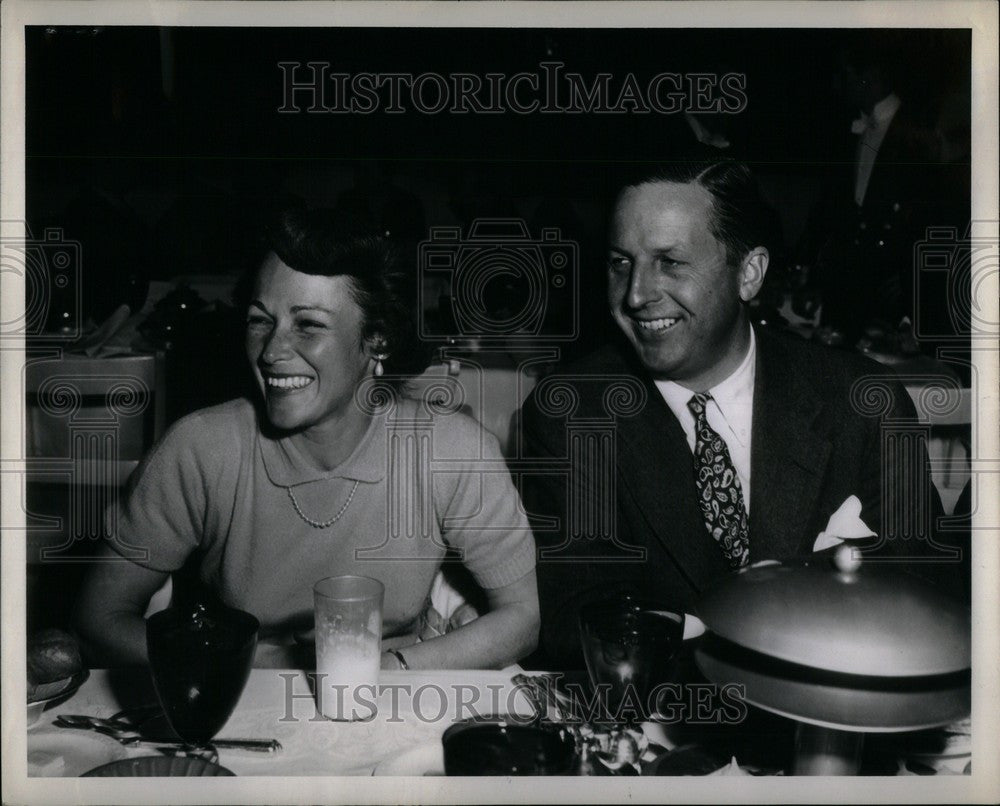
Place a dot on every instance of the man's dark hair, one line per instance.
(321, 242)
(741, 218)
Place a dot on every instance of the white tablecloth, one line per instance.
(414, 709)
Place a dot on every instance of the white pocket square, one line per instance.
(844, 524)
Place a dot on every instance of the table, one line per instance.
(277, 703)
(414, 710)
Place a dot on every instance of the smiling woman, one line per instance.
(305, 346)
(330, 470)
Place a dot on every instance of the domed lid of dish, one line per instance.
(870, 621)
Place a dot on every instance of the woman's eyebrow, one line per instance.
(256, 303)
(298, 308)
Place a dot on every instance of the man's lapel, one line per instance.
(789, 453)
(657, 473)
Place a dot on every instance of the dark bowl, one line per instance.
(494, 746)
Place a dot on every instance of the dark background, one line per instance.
(158, 148)
(98, 93)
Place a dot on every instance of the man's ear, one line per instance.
(752, 272)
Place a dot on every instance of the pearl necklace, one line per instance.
(324, 524)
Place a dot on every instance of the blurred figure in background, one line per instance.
(890, 180)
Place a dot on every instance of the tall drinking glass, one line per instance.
(348, 646)
(630, 645)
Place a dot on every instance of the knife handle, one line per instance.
(254, 745)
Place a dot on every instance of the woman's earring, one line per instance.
(379, 358)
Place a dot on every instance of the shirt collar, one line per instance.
(734, 388)
(286, 466)
(737, 389)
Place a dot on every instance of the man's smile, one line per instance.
(656, 326)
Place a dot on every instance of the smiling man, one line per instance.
(674, 288)
(699, 444)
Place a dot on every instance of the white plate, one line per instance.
(424, 759)
(64, 752)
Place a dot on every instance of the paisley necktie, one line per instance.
(719, 491)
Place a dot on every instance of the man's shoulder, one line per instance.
(587, 381)
(611, 361)
(841, 378)
(818, 359)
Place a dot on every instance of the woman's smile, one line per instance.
(285, 383)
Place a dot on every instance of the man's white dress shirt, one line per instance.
(729, 412)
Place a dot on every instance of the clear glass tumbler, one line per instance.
(348, 612)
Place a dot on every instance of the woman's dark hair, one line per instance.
(741, 217)
(321, 242)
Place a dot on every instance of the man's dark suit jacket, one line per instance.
(818, 419)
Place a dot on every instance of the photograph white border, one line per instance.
(981, 786)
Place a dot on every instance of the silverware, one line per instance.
(541, 690)
(617, 755)
(253, 745)
(127, 735)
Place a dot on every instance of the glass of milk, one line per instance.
(348, 613)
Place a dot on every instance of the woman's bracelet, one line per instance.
(399, 656)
